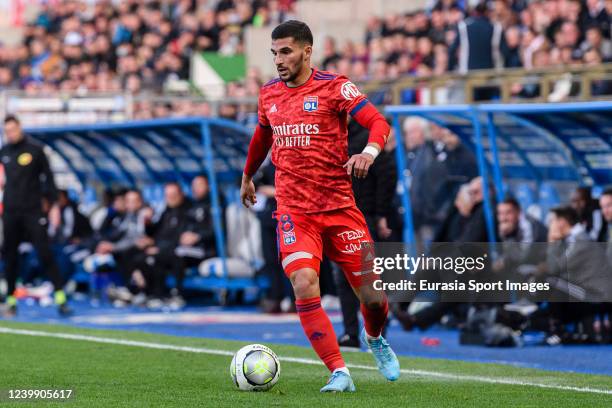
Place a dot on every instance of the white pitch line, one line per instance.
(201, 350)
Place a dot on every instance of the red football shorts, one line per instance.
(342, 235)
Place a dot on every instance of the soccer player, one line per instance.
(303, 117)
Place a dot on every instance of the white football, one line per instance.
(255, 368)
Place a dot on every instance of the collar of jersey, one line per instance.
(309, 80)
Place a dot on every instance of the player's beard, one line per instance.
(293, 74)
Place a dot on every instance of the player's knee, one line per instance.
(305, 283)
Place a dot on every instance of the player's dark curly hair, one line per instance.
(292, 28)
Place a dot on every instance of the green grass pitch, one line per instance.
(113, 375)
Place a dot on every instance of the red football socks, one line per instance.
(320, 332)
(374, 319)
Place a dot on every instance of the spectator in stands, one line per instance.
(515, 226)
(596, 15)
(589, 215)
(416, 132)
(438, 165)
(517, 232)
(605, 202)
(114, 216)
(574, 268)
(157, 255)
(511, 51)
(124, 247)
(437, 32)
(330, 53)
(540, 59)
(197, 240)
(6, 78)
(594, 40)
(74, 227)
(459, 166)
(477, 43)
(465, 222)
(100, 211)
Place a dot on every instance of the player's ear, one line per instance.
(307, 51)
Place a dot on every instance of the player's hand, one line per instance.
(382, 228)
(359, 164)
(247, 191)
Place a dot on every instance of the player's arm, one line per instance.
(258, 150)
(368, 116)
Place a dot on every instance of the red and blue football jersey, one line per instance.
(310, 146)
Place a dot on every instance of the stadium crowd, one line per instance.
(135, 46)
(451, 37)
(525, 34)
(144, 46)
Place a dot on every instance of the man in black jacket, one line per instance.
(28, 179)
(197, 240)
(158, 247)
(575, 267)
(373, 195)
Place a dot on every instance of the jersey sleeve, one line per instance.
(261, 113)
(346, 97)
